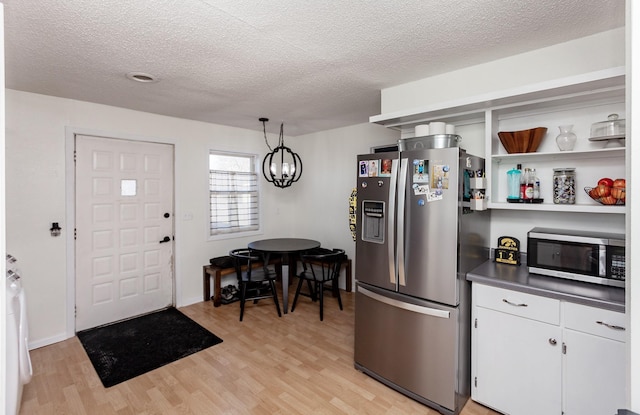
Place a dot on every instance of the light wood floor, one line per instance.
(265, 365)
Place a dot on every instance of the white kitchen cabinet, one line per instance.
(538, 355)
(594, 356)
(578, 100)
(516, 359)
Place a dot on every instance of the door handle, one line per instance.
(504, 300)
(611, 326)
(165, 239)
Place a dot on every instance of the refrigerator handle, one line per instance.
(393, 187)
(434, 312)
(402, 184)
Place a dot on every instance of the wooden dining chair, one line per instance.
(321, 270)
(256, 281)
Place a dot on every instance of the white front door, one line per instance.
(124, 229)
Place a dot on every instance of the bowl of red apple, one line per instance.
(608, 191)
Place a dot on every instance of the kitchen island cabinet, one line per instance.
(554, 353)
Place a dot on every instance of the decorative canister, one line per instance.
(564, 185)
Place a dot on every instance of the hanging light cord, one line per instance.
(264, 130)
(280, 138)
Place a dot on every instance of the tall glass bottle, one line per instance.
(536, 184)
(513, 183)
(528, 184)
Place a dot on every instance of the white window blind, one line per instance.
(233, 187)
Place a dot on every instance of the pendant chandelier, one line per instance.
(280, 166)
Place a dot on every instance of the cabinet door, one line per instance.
(518, 364)
(594, 374)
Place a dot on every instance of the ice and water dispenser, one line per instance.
(373, 213)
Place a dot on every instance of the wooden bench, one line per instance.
(217, 273)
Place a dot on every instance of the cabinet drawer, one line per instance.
(517, 303)
(593, 320)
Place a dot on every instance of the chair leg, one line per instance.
(243, 295)
(275, 296)
(320, 291)
(295, 297)
(339, 299)
(312, 293)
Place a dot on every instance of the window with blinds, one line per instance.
(233, 188)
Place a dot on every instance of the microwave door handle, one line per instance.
(602, 261)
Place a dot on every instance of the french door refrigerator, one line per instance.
(416, 239)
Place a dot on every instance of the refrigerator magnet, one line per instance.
(364, 168)
(435, 194)
(373, 168)
(420, 171)
(420, 189)
(385, 168)
(440, 176)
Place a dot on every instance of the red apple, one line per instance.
(619, 183)
(609, 200)
(603, 190)
(618, 193)
(605, 181)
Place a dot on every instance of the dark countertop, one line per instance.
(517, 278)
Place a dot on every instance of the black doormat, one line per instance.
(127, 349)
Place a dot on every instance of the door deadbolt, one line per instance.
(166, 215)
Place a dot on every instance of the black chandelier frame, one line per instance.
(290, 162)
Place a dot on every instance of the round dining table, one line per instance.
(289, 248)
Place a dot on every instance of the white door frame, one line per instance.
(70, 133)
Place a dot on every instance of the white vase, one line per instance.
(566, 140)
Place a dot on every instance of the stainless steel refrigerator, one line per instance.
(417, 236)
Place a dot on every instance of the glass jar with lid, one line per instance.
(564, 185)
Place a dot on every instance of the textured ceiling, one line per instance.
(315, 65)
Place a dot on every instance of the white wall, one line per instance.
(35, 146)
(3, 288)
(633, 230)
(36, 194)
(592, 53)
(330, 174)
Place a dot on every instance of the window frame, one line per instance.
(256, 171)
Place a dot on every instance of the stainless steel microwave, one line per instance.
(595, 257)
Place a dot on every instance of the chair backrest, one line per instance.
(323, 264)
(248, 262)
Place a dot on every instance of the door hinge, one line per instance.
(75, 156)
(564, 348)
(75, 234)
(475, 381)
(75, 311)
(475, 323)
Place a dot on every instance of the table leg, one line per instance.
(286, 277)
